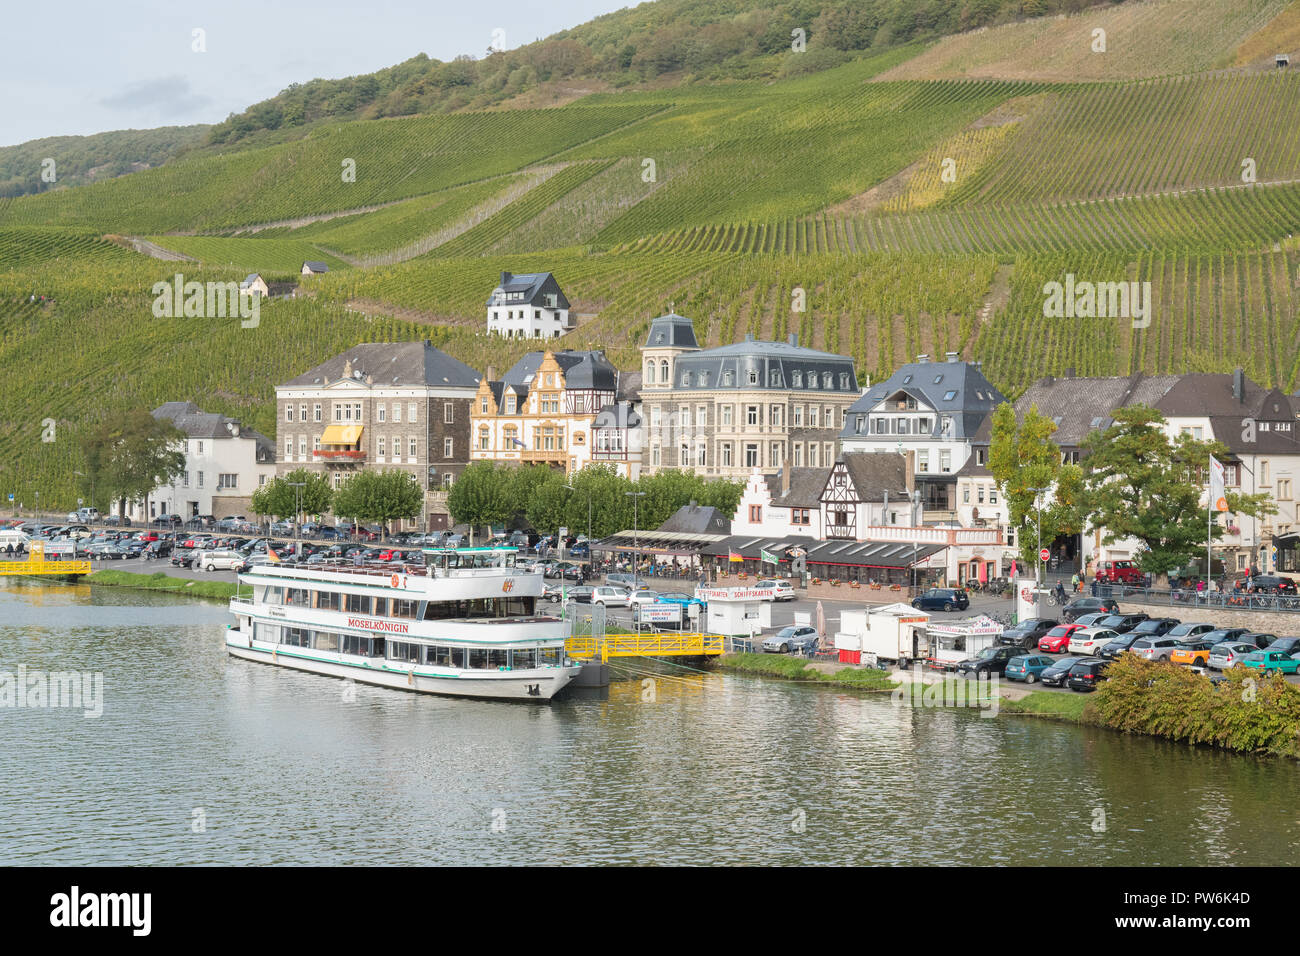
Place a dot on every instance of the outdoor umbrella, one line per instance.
(822, 637)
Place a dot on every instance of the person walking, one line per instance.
(1074, 583)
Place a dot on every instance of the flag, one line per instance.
(768, 556)
(271, 556)
(519, 443)
(733, 556)
(1218, 500)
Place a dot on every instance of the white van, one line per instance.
(12, 536)
(218, 560)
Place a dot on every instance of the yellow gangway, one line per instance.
(37, 564)
(646, 644)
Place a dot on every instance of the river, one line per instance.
(198, 758)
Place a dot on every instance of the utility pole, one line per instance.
(636, 548)
(297, 487)
(1038, 536)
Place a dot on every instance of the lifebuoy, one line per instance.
(396, 579)
(1024, 594)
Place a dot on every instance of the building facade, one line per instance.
(403, 405)
(528, 306)
(728, 411)
(224, 464)
(558, 408)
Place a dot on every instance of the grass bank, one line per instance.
(217, 590)
(1040, 703)
(796, 668)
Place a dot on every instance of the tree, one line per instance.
(1022, 457)
(129, 456)
(546, 505)
(278, 497)
(480, 496)
(1141, 484)
(379, 496)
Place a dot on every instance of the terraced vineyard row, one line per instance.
(1238, 218)
(1175, 133)
(20, 248)
(394, 159)
(1209, 313)
(270, 257)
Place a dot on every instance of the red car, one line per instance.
(1118, 572)
(1057, 640)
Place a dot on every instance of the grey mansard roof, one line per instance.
(780, 366)
(585, 370)
(671, 331)
(956, 389)
(392, 363)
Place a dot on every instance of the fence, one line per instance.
(1187, 597)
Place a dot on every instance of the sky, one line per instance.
(86, 67)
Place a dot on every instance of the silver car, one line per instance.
(1154, 648)
(796, 637)
(1223, 656)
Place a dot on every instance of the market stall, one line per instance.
(954, 641)
(736, 611)
(894, 633)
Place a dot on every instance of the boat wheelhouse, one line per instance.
(464, 624)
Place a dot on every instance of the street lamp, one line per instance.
(571, 488)
(1038, 535)
(914, 496)
(297, 503)
(636, 549)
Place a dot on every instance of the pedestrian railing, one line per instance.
(1190, 597)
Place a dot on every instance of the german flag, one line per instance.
(734, 556)
(271, 555)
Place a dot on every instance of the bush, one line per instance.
(1247, 712)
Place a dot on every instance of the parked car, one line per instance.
(618, 577)
(781, 590)
(1287, 645)
(1228, 654)
(1025, 634)
(610, 596)
(1086, 674)
(642, 596)
(680, 597)
(1122, 623)
(581, 593)
(1155, 627)
(942, 599)
(1055, 676)
(1155, 648)
(1273, 584)
(1057, 640)
(1028, 668)
(118, 521)
(1087, 605)
(1091, 620)
(224, 560)
(1260, 639)
(1229, 635)
(1089, 640)
(158, 549)
(1117, 646)
(1271, 662)
(991, 660)
(796, 637)
(1118, 572)
(1192, 651)
(1190, 629)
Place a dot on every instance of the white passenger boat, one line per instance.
(463, 624)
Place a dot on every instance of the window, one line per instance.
(663, 371)
(302, 446)
(752, 376)
(704, 379)
(844, 381)
(261, 481)
(923, 460)
(1284, 489)
(686, 378)
(510, 404)
(411, 448)
(979, 494)
(813, 417)
(774, 378)
(654, 455)
(797, 451)
(200, 484)
(859, 424)
(755, 514)
(812, 454)
(654, 416)
(728, 377)
(776, 456)
(685, 459)
(949, 395)
(751, 456)
(288, 448)
(200, 447)
(288, 413)
(945, 460)
(775, 416)
(382, 413)
(302, 412)
(650, 372)
(316, 412)
(382, 448)
(411, 413)
(797, 379)
(483, 407)
(1263, 473)
(965, 494)
(447, 445)
(700, 456)
(726, 414)
(338, 411)
(483, 442)
(701, 416)
(726, 454)
(827, 381)
(799, 516)
(993, 494)
(185, 479)
(751, 414)
(798, 416)
(397, 411)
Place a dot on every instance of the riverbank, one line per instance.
(785, 667)
(159, 581)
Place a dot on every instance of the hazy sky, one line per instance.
(85, 67)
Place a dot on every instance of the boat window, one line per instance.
(522, 660)
(381, 607)
(403, 608)
(325, 641)
(358, 603)
(329, 601)
(548, 656)
(498, 659)
(297, 597)
(444, 656)
(478, 658)
(296, 636)
(274, 595)
(404, 651)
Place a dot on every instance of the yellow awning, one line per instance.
(341, 434)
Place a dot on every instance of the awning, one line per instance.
(341, 434)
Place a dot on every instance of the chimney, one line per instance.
(1239, 385)
(1049, 381)
(785, 480)
(793, 338)
(952, 356)
(505, 277)
(694, 503)
(492, 373)
(749, 336)
(923, 358)
(909, 470)
(1069, 372)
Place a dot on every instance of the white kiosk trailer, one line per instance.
(882, 636)
(955, 641)
(737, 612)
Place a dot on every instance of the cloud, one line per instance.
(169, 96)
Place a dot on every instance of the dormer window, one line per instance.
(686, 379)
(663, 371)
(826, 380)
(844, 380)
(774, 378)
(753, 376)
(704, 379)
(728, 377)
(798, 379)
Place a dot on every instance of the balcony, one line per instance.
(340, 456)
(557, 455)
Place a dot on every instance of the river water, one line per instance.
(198, 758)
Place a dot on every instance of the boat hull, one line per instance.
(539, 685)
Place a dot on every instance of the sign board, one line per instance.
(735, 594)
(659, 613)
(1044, 555)
(564, 533)
(11, 498)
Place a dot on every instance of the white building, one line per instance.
(224, 463)
(528, 306)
